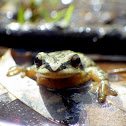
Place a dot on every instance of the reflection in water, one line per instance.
(65, 105)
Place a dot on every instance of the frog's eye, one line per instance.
(75, 61)
(38, 61)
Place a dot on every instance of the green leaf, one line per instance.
(20, 16)
(69, 13)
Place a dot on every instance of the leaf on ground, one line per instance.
(77, 108)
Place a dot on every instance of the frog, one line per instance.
(66, 69)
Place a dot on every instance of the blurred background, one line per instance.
(89, 26)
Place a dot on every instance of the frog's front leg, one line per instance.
(102, 83)
(25, 71)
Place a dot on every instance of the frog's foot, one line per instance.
(16, 70)
(24, 71)
(103, 90)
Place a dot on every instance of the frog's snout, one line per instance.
(55, 68)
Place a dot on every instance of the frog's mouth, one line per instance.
(58, 74)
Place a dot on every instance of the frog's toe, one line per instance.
(110, 91)
(13, 71)
(16, 70)
(101, 98)
(101, 93)
(103, 90)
